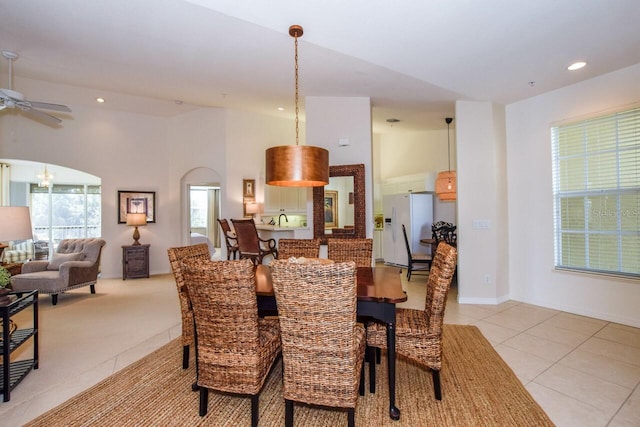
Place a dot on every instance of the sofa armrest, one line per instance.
(76, 272)
(33, 266)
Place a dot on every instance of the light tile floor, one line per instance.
(582, 371)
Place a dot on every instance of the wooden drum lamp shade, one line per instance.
(297, 165)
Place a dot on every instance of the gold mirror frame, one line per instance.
(359, 208)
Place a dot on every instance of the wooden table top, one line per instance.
(379, 284)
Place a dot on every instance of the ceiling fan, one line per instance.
(10, 98)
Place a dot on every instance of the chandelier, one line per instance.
(297, 165)
(44, 178)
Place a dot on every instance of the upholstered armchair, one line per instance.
(18, 251)
(75, 263)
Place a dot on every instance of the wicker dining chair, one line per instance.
(250, 244)
(235, 348)
(230, 241)
(359, 251)
(176, 256)
(419, 333)
(322, 344)
(308, 248)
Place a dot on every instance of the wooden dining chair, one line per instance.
(359, 251)
(418, 332)
(176, 256)
(235, 348)
(250, 244)
(322, 344)
(415, 261)
(230, 241)
(308, 248)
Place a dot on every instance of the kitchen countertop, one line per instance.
(267, 227)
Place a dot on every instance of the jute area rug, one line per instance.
(478, 389)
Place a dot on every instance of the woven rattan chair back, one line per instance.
(440, 276)
(235, 349)
(359, 251)
(322, 344)
(419, 332)
(230, 242)
(176, 256)
(308, 248)
(250, 245)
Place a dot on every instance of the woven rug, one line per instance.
(478, 389)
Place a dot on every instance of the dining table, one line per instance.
(379, 290)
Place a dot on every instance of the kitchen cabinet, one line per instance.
(287, 200)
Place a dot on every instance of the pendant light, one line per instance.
(44, 178)
(297, 165)
(446, 183)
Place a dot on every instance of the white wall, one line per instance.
(532, 276)
(409, 153)
(482, 252)
(134, 151)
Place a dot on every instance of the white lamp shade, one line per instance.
(252, 208)
(15, 223)
(137, 219)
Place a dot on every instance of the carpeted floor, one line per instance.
(478, 387)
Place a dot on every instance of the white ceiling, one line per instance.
(414, 58)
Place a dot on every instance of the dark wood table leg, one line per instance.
(394, 412)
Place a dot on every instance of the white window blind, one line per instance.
(596, 188)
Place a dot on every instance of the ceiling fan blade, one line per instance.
(48, 106)
(40, 116)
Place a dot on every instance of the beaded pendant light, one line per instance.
(297, 165)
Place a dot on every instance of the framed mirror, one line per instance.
(339, 208)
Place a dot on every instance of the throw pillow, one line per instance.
(57, 259)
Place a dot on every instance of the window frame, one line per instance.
(594, 154)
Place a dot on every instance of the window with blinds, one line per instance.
(596, 189)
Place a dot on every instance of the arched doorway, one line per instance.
(201, 207)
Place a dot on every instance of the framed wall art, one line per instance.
(330, 208)
(249, 188)
(136, 202)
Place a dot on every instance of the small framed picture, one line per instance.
(378, 221)
(330, 208)
(248, 188)
(136, 202)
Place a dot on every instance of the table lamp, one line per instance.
(136, 220)
(15, 224)
(251, 208)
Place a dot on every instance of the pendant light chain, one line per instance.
(449, 147)
(297, 165)
(297, 109)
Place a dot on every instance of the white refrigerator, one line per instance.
(415, 211)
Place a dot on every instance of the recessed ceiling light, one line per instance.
(280, 108)
(100, 100)
(576, 66)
